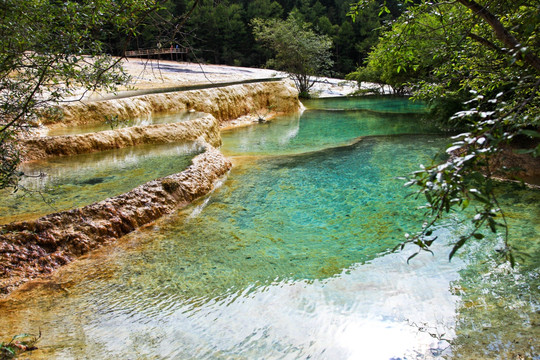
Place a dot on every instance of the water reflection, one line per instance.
(289, 259)
(379, 104)
(318, 130)
(74, 181)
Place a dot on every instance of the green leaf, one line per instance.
(492, 224)
(399, 246)
(10, 350)
(481, 198)
(524, 151)
(412, 256)
(457, 246)
(511, 258)
(531, 133)
(478, 236)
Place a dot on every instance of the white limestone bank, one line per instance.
(224, 103)
(205, 128)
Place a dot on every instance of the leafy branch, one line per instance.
(51, 50)
(490, 91)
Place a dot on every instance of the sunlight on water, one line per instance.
(499, 307)
(74, 181)
(289, 259)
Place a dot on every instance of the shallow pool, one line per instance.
(289, 259)
(58, 129)
(375, 103)
(69, 182)
(316, 130)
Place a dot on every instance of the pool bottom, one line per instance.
(288, 259)
(75, 181)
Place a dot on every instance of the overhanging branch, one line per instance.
(501, 32)
(485, 42)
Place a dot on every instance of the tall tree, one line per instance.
(264, 9)
(299, 51)
(345, 52)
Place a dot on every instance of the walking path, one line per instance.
(153, 76)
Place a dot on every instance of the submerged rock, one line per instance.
(31, 249)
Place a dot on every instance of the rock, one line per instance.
(56, 239)
(205, 128)
(32, 249)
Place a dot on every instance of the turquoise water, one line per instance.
(123, 123)
(289, 259)
(74, 181)
(379, 104)
(313, 131)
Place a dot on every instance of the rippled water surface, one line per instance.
(289, 259)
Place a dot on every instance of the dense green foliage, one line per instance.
(48, 49)
(220, 31)
(404, 55)
(478, 62)
(300, 52)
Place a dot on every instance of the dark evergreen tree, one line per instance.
(218, 31)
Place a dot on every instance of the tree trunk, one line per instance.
(501, 32)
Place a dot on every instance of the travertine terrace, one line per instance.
(33, 249)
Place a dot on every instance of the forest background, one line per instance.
(220, 31)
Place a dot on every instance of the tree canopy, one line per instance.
(479, 61)
(220, 31)
(299, 51)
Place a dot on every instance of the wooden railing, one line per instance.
(147, 52)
